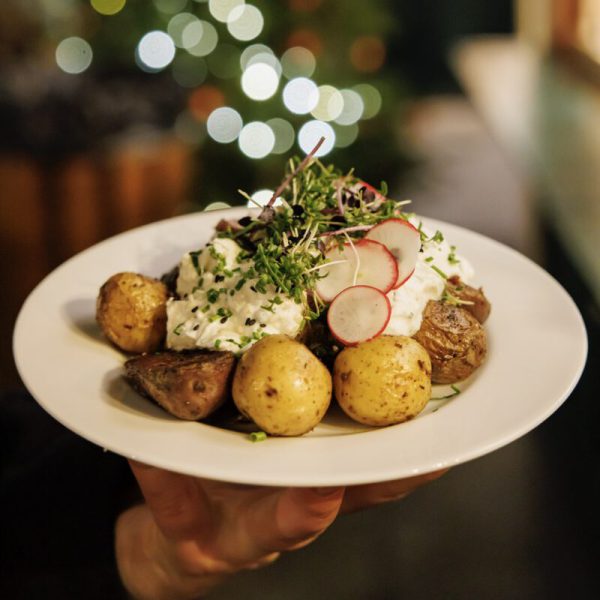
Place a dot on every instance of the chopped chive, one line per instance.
(258, 436)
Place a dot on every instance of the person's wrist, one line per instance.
(148, 567)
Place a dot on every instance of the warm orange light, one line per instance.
(307, 39)
(203, 100)
(304, 5)
(367, 54)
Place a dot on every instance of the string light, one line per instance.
(284, 135)
(330, 104)
(311, 132)
(300, 95)
(262, 197)
(216, 206)
(298, 62)
(371, 99)
(107, 7)
(345, 135)
(155, 51)
(353, 108)
(253, 50)
(74, 55)
(203, 34)
(220, 9)
(224, 124)
(256, 140)
(170, 7)
(245, 22)
(260, 81)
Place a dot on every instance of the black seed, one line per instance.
(297, 210)
(245, 221)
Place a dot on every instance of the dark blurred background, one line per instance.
(115, 113)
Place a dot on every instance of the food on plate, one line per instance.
(189, 385)
(471, 299)
(282, 386)
(384, 381)
(330, 276)
(131, 311)
(454, 339)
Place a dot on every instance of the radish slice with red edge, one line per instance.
(403, 240)
(358, 314)
(376, 268)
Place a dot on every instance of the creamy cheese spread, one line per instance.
(221, 307)
(437, 261)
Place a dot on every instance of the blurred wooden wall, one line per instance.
(50, 211)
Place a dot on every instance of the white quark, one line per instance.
(219, 307)
(426, 283)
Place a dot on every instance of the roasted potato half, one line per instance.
(131, 309)
(454, 339)
(384, 381)
(282, 386)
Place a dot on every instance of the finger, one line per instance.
(177, 502)
(293, 517)
(363, 496)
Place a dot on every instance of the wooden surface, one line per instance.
(51, 211)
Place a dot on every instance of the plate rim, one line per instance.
(331, 479)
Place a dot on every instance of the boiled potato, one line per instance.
(282, 386)
(383, 381)
(131, 309)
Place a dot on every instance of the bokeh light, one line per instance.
(371, 99)
(216, 206)
(311, 132)
(245, 22)
(329, 105)
(345, 135)
(367, 54)
(267, 58)
(220, 9)
(200, 38)
(300, 95)
(251, 51)
(155, 51)
(353, 108)
(188, 129)
(284, 135)
(298, 62)
(224, 62)
(256, 140)
(108, 7)
(204, 100)
(260, 81)
(189, 71)
(170, 7)
(224, 124)
(262, 197)
(177, 26)
(306, 38)
(74, 55)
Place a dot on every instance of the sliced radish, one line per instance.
(403, 240)
(376, 267)
(358, 314)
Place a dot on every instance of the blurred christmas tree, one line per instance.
(250, 84)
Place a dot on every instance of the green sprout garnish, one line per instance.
(257, 436)
(320, 207)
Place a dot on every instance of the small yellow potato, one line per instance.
(131, 309)
(282, 386)
(384, 381)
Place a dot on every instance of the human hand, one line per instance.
(191, 533)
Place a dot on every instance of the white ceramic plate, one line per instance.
(537, 350)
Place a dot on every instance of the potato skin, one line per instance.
(384, 381)
(282, 386)
(454, 339)
(131, 309)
